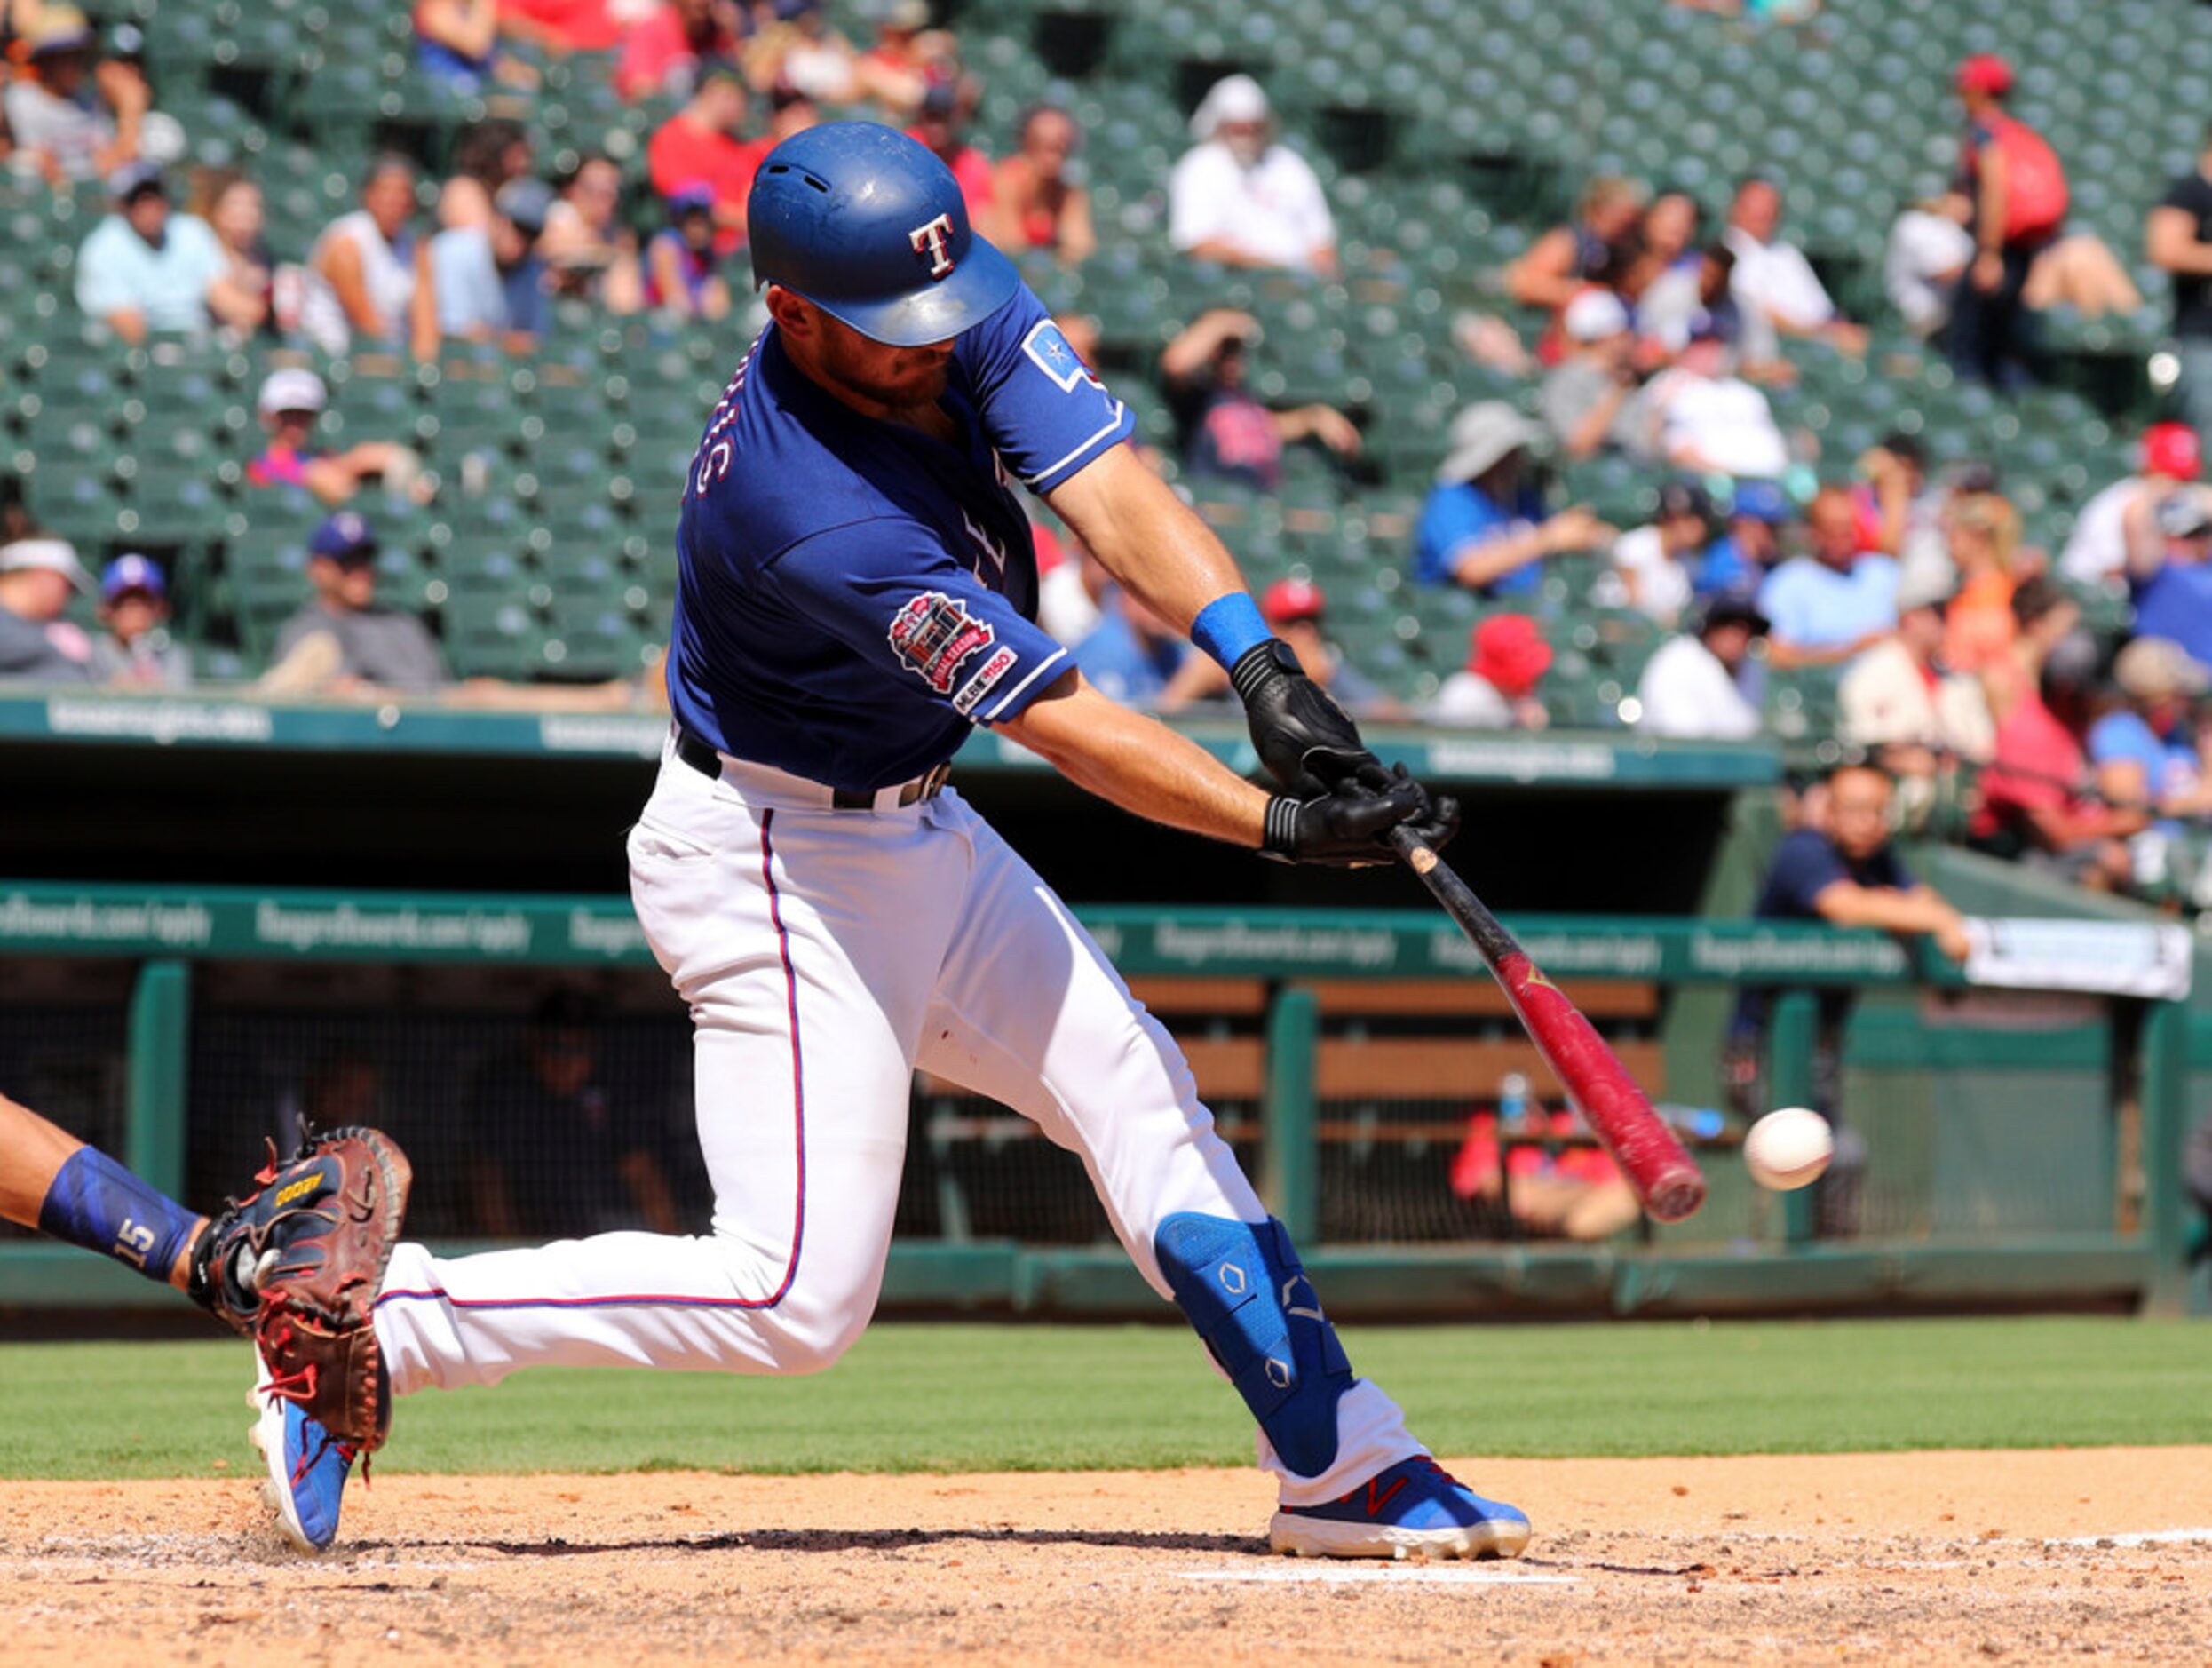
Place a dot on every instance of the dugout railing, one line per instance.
(2028, 1148)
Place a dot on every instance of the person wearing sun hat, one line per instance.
(1485, 525)
(37, 645)
(1507, 658)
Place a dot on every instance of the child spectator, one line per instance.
(1507, 658)
(360, 274)
(143, 270)
(1241, 198)
(1654, 562)
(1485, 525)
(699, 145)
(1229, 434)
(290, 404)
(1704, 682)
(1033, 203)
(36, 643)
(682, 267)
(134, 610)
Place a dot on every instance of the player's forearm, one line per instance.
(1148, 539)
(1138, 764)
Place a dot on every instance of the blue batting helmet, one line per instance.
(869, 225)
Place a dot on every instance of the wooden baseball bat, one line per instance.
(1665, 1177)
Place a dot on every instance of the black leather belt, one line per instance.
(707, 762)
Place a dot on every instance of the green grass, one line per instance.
(980, 1397)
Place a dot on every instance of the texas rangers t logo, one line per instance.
(932, 241)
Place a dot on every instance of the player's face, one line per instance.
(878, 371)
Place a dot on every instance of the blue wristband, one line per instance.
(1229, 625)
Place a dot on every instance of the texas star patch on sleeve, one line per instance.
(935, 635)
(1049, 351)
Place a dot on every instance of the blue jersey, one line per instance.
(854, 595)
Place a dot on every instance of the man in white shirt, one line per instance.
(1705, 685)
(1772, 280)
(1239, 198)
(143, 268)
(1711, 421)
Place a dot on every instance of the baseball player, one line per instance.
(856, 592)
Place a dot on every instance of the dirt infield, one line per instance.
(1923, 1558)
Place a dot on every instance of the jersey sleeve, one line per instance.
(1046, 412)
(887, 589)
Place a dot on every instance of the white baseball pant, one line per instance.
(824, 953)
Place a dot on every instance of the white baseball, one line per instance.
(1787, 1149)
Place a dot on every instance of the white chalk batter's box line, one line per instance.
(1384, 1575)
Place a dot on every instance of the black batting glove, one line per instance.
(1437, 822)
(1344, 828)
(1305, 739)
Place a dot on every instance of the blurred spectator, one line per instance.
(789, 111)
(2178, 238)
(1709, 419)
(1738, 562)
(1654, 562)
(1032, 204)
(1683, 297)
(1844, 871)
(1596, 248)
(233, 208)
(457, 42)
(360, 271)
(1297, 610)
(1132, 654)
(1985, 554)
(561, 27)
(1904, 516)
(1838, 599)
(1485, 525)
(941, 126)
(143, 269)
(797, 52)
(1507, 658)
(2173, 585)
(1774, 282)
(699, 146)
(1704, 682)
(342, 643)
(1590, 399)
(2120, 520)
(665, 52)
(2019, 195)
(134, 611)
(1928, 251)
(1901, 702)
(290, 405)
(908, 59)
(1227, 433)
(2036, 803)
(555, 1155)
(2146, 752)
(59, 116)
(489, 282)
(488, 155)
(1241, 198)
(36, 643)
(588, 248)
(683, 275)
(1667, 242)
(1071, 584)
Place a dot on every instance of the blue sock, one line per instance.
(97, 1204)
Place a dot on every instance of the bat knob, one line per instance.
(1678, 1197)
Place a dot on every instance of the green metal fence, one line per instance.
(2036, 1166)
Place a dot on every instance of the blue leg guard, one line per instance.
(1241, 1287)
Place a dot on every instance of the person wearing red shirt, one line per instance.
(672, 47)
(699, 146)
(561, 26)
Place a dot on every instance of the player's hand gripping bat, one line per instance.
(1665, 1177)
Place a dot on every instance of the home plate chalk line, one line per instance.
(1432, 1574)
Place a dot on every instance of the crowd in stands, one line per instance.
(1659, 328)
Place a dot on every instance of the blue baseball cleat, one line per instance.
(307, 1466)
(1415, 1509)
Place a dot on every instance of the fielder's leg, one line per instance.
(1030, 1012)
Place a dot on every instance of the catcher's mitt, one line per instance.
(297, 1264)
